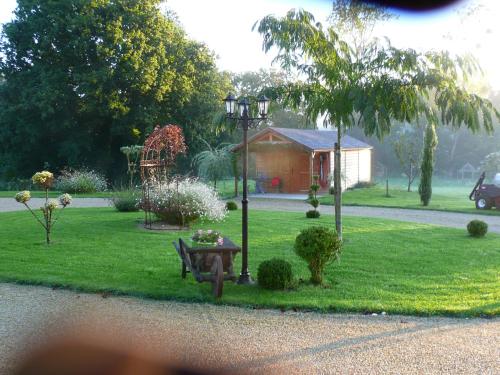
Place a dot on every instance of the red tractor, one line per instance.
(486, 196)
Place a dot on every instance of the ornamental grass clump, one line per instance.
(80, 181)
(125, 200)
(45, 180)
(318, 246)
(183, 201)
(275, 274)
(477, 228)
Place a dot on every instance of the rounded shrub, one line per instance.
(318, 246)
(312, 214)
(125, 200)
(275, 274)
(231, 206)
(477, 228)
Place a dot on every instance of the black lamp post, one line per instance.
(246, 122)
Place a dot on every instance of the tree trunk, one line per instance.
(235, 186)
(338, 186)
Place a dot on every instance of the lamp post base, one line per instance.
(245, 279)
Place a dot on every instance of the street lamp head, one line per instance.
(263, 103)
(244, 105)
(230, 104)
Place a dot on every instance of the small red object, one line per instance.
(275, 181)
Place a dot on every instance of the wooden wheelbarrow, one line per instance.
(208, 263)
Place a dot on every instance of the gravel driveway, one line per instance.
(449, 219)
(259, 340)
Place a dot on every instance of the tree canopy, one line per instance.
(255, 84)
(83, 78)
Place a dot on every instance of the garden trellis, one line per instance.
(158, 156)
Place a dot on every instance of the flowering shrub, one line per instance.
(181, 202)
(44, 180)
(83, 181)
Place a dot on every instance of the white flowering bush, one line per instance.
(80, 181)
(183, 201)
(45, 179)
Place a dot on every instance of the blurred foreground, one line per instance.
(129, 335)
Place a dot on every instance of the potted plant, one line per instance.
(207, 238)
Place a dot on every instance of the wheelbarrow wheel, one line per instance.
(483, 204)
(217, 276)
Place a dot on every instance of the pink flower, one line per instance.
(220, 241)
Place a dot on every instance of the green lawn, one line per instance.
(444, 198)
(386, 265)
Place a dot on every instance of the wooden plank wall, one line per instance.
(290, 164)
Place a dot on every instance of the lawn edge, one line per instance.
(457, 211)
(106, 292)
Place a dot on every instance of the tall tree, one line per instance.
(254, 84)
(407, 150)
(369, 90)
(355, 20)
(427, 166)
(92, 75)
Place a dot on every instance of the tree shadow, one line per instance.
(354, 343)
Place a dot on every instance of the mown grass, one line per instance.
(390, 266)
(444, 198)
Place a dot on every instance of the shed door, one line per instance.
(300, 179)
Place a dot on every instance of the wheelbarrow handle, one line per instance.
(478, 183)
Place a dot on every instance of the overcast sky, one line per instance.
(225, 26)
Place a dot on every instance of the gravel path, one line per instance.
(257, 340)
(449, 219)
(9, 204)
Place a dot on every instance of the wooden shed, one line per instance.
(285, 160)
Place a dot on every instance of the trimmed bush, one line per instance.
(275, 274)
(231, 206)
(82, 181)
(477, 228)
(313, 198)
(312, 214)
(318, 246)
(126, 200)
(314, 202)
(364, 185)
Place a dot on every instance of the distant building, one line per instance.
(293, 156)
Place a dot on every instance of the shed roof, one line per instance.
(468, 167)
(314, 140)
